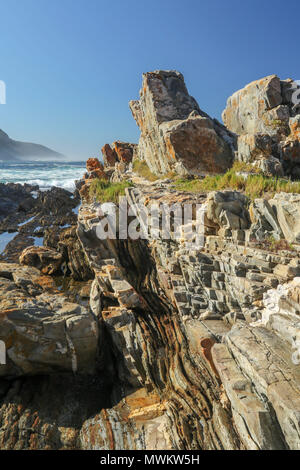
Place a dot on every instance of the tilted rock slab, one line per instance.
(243, 370)
(118, 152)
(175, 134)
(198, 345)
(287, 207)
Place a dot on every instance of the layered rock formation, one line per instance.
(265, 115)
(168, 344)
(193, 326)
(198, 348)
(175, 134)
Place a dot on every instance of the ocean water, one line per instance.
(45, 174)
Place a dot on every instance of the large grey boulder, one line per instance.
(254, 146)
(175, 134)
(251, 110)
(228, 209)
(265, 117)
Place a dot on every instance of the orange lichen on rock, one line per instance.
(110, 156)
(95, 169)
(295, 129)
(124, 151)
(169, 120)
(46, 282)
(93, 164)
(206, 345)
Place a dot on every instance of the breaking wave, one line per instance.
(43, 174)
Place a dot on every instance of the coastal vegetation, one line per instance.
(105, 191)
(253, 185)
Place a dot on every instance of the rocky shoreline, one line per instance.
(149, 344)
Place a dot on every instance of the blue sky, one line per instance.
(71, 66)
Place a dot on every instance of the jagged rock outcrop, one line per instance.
(13, 196)
(264, 220)
(196, 349)
(95, 169)
(215, 295)
(75, 262)
(170, 344)
(109, 154)
(43, 332)
(125, 151)
(265, 116)
(119, 152)
(175, 134)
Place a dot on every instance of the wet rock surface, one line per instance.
(36, 218)
(15, 197)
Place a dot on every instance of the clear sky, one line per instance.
(71, 66)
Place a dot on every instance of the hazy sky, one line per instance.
(71, 66)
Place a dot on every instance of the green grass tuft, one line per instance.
(105, 191)
(254, 186)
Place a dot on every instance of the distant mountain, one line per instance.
(15, 150)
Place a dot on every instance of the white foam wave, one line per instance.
(62, 175)
(45, 185)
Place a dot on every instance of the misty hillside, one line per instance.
(15, 150)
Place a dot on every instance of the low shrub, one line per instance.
(105, 191)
